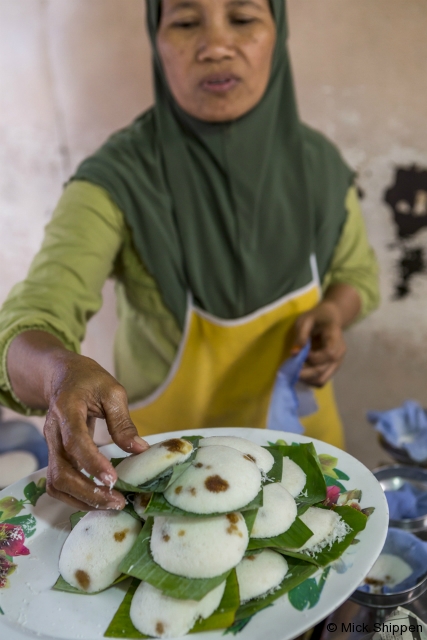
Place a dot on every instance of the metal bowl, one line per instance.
(389, 600)
(400, 454)
(391, 478)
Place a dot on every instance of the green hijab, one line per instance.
(230, 212)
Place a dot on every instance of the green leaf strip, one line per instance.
(225, 614)
(297, 534)
(63, 585)
(121, 625)
(159, 506)
(275, 473)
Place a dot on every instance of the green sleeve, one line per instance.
(354, 260)
(62, 290)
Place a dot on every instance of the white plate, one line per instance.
(32, 610)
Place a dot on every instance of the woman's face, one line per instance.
(216, 54)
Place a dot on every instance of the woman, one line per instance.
(219, 214)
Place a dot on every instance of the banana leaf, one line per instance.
(139, 563)
(297, 534)
(159, 506)
(76, 517)
(224, 616)
(62, 585)
(355, 519)
(121, 625)
(298, 571)
(275, 473)
(305, 456)
(249, 517)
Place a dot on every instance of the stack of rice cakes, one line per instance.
(228, 528)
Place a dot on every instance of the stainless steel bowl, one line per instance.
(389, 600)
(391, 478)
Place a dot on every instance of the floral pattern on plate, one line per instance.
(15, 529)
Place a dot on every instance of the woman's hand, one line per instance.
(76, 391)
(324, 326)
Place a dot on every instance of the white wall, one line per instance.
(72, 71)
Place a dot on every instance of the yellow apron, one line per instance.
(225, 370)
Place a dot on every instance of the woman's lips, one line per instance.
(219, 82)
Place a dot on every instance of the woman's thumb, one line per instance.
(302, 332)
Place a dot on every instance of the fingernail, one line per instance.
(107, 479)
(140, 441)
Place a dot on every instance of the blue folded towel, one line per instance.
(406, 502)
(285, 405)
(404, 427)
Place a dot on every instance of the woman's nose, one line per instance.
(215, 45)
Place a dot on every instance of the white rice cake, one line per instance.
(219, 480)
(199, 547)
(260, 573)
(153, 461)
(155, 614)
(327, 527)
(262, 458)
(293, 477)
(277, 514)
(93, 551)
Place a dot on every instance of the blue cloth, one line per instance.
(410, 549)
(284, 406)
(406, 502)
(17, 435)
(404, 427)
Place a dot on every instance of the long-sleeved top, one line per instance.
(88, 241)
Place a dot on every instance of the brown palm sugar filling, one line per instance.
(160, 628)
(83, 579)
(233, 519)
(248, 456)
(119, 536)
(216, 484)
(175, 445)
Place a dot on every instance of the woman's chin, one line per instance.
(218, 108)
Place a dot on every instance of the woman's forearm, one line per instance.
(33, 360)
(75, 391)
(346, 301)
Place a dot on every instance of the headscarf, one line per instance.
(228, 211)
